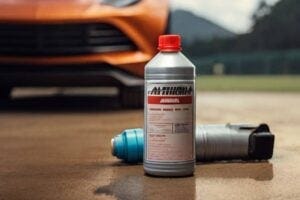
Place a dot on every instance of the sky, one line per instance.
(235, 15)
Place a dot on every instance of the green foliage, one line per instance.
(279, 29)
(275, 28)
(261, 62)
(262, 10)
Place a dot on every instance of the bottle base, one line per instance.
(169, 169)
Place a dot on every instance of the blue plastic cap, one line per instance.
(129, 145)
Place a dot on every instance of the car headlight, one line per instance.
(119, 3)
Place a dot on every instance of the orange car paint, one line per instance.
(142, 23)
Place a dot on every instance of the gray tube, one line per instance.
(221, 142)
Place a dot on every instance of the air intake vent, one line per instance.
(61, 39)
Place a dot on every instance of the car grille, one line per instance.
(61, 39)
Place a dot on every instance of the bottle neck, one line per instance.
(169, 51)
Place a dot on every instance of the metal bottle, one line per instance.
(169, 111)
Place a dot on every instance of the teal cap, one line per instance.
(129, 145)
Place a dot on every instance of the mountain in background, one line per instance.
(195, 28)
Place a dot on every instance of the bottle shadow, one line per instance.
(145, 187)
(129, 181)
(257, 170)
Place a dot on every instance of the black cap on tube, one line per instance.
(261, 143)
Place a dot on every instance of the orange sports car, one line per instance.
(79, 43)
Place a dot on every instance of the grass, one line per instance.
(249, 83)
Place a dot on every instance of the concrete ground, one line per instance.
(59, 148)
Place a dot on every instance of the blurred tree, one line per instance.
(278, 29)
(262, 10)
(275, 27)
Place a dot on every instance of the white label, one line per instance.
(170, 122)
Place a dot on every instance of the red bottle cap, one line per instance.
(169, 43)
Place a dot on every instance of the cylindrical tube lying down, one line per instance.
(213, 142)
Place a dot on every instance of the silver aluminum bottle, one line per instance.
(169, 135)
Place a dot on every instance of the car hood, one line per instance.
(37, 3)
(46, 9)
